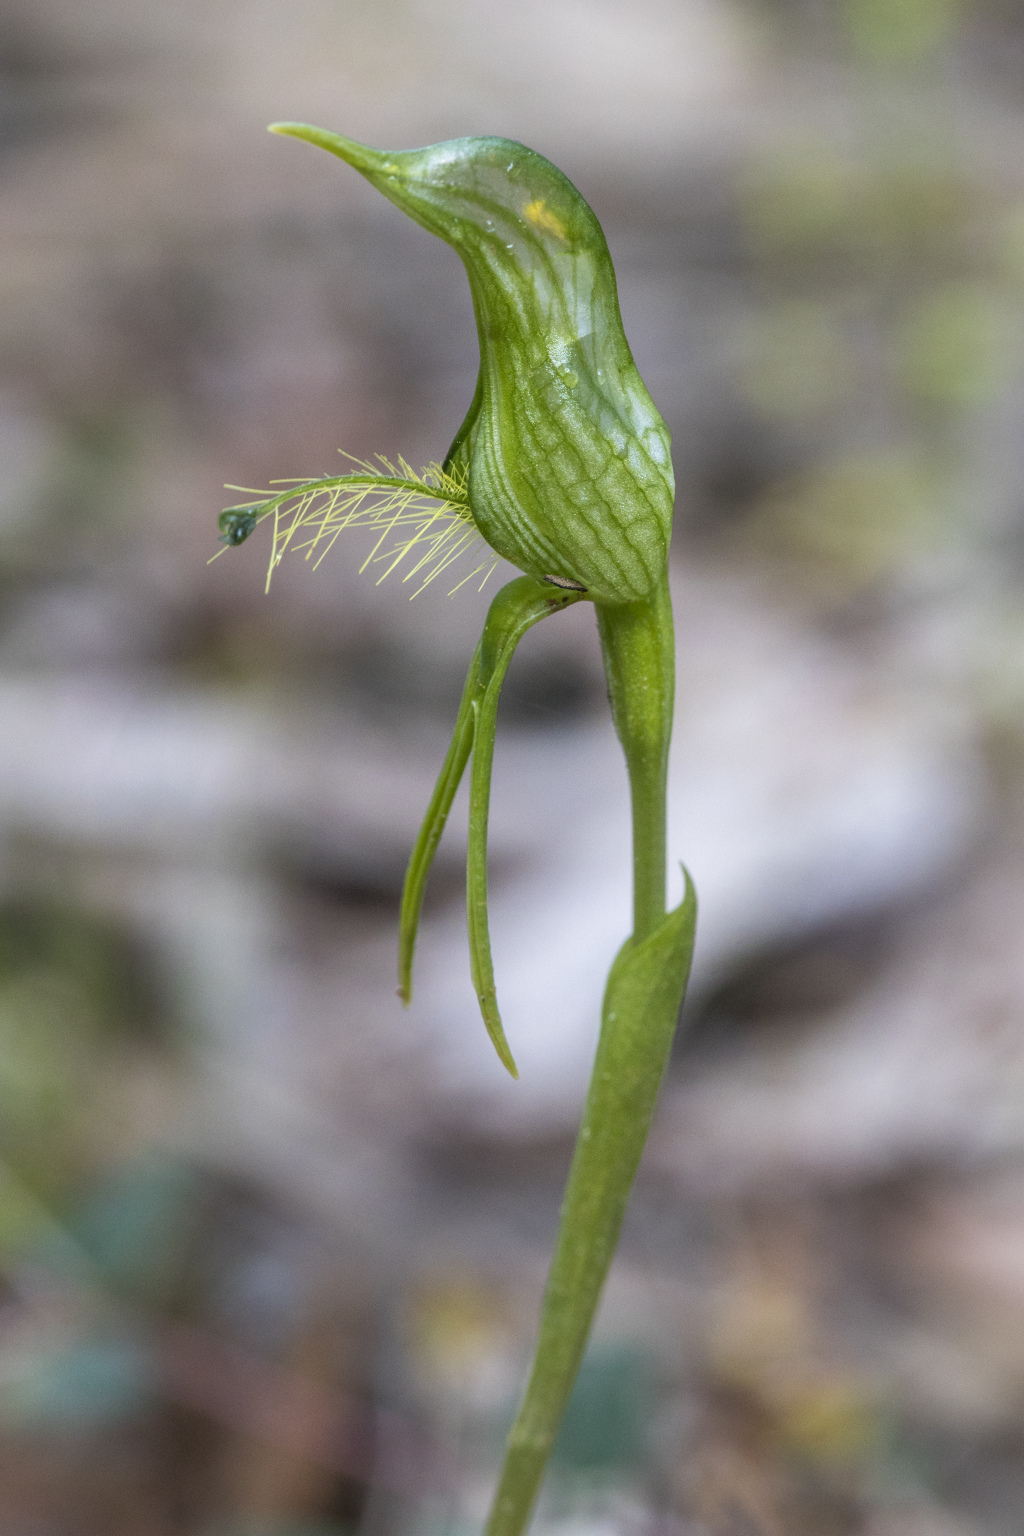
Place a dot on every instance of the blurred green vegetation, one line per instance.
(608, 1420)
(75, 995)
(889, 310)
(900, 31)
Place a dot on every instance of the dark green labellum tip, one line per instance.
(236, 523)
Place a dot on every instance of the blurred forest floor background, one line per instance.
(271, 1249)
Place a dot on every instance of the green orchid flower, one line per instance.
(561, 467)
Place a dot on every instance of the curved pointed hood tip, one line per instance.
(360, 156)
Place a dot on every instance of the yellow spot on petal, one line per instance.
(540, 215)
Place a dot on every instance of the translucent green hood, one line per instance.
(568, 459)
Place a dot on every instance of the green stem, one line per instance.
(641, 1006)
(638, 646)
(515, 609)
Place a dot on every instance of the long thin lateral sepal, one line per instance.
(517, 607)
(425, 847)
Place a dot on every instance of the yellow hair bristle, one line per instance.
(422, 518)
